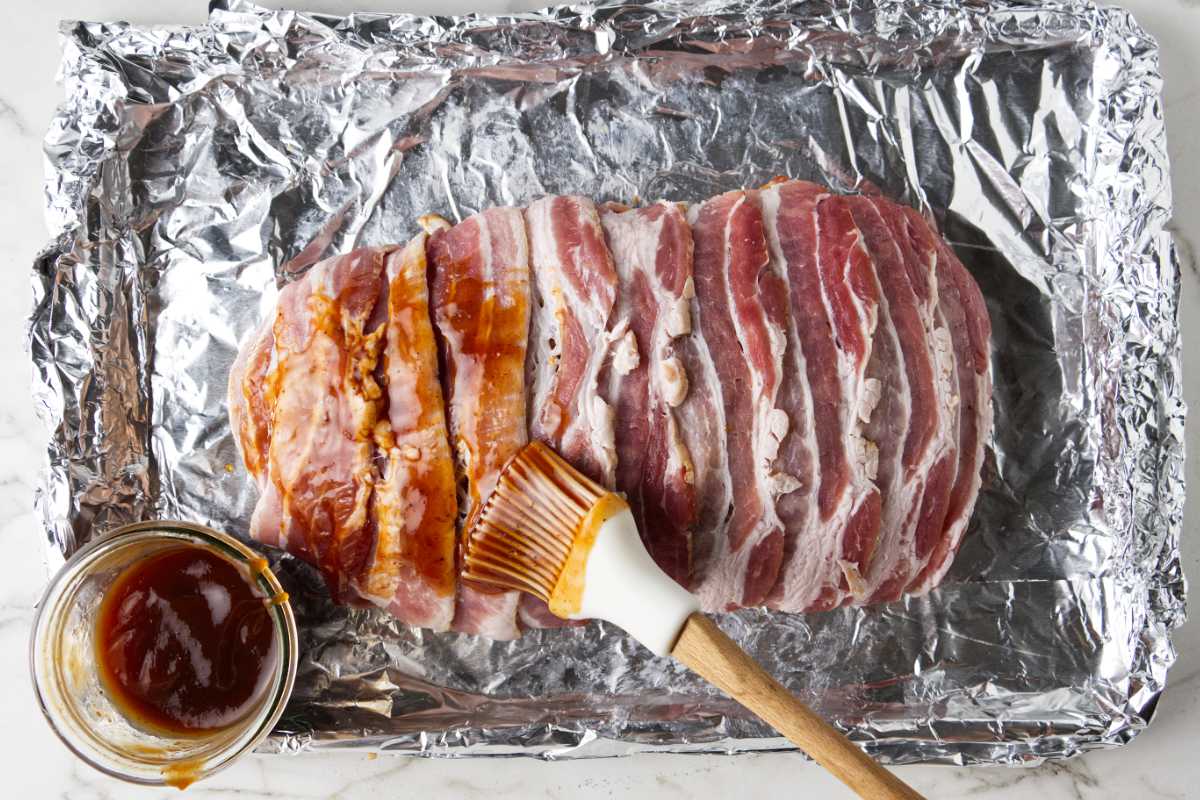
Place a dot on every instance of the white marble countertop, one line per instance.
(1161, 763)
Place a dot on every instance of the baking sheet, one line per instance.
(191, 171)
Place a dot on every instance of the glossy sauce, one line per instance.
(325, 405)
(420, 469)
(184, 644)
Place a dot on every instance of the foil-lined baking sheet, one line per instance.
(191, 171)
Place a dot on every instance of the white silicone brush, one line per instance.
(550, 531)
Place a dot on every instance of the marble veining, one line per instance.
(1160, 763)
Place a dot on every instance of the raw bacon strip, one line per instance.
(480, 291)
(576, 285)
(325, 403)
(834, 310)
(903, 481)
(790, 214)
(412, 571)
(730, 259)
(966, 317)
(850, 294)
(918, 247)
(702, 426)
(652, 250)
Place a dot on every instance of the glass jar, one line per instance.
(62, 657)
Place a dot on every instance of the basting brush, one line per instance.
(550, 531)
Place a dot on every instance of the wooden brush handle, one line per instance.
(704, 648)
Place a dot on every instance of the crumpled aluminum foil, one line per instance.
(192, 170)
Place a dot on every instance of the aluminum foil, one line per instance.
(191, 171)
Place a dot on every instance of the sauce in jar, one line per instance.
(184, 643)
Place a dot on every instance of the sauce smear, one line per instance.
(184, 644)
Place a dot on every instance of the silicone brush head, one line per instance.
(550, 531)
(524, 535)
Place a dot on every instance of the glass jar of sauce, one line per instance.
(163, 651)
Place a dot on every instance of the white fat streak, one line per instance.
(868, 458)
(541, 361)
(931, 307)
(945, 366)
(775, 429)
(604, 439)
(944, 361)
(672, 376)
(678, 456)
(625, 355)
(868, 401)
(598, 417)
(432, 223)
(854, 578)
(615, 334)
(679, 317)
(273, 364)
(865, 451)
(321, 279)
(543, 357)
(501, 623)
(803, 576)
(782, 483)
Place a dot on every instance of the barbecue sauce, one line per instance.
(184, 644)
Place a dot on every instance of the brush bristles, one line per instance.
(524, 533)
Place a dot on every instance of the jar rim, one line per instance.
(282, 619)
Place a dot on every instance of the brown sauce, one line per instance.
(184, 644)
(182, 775)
